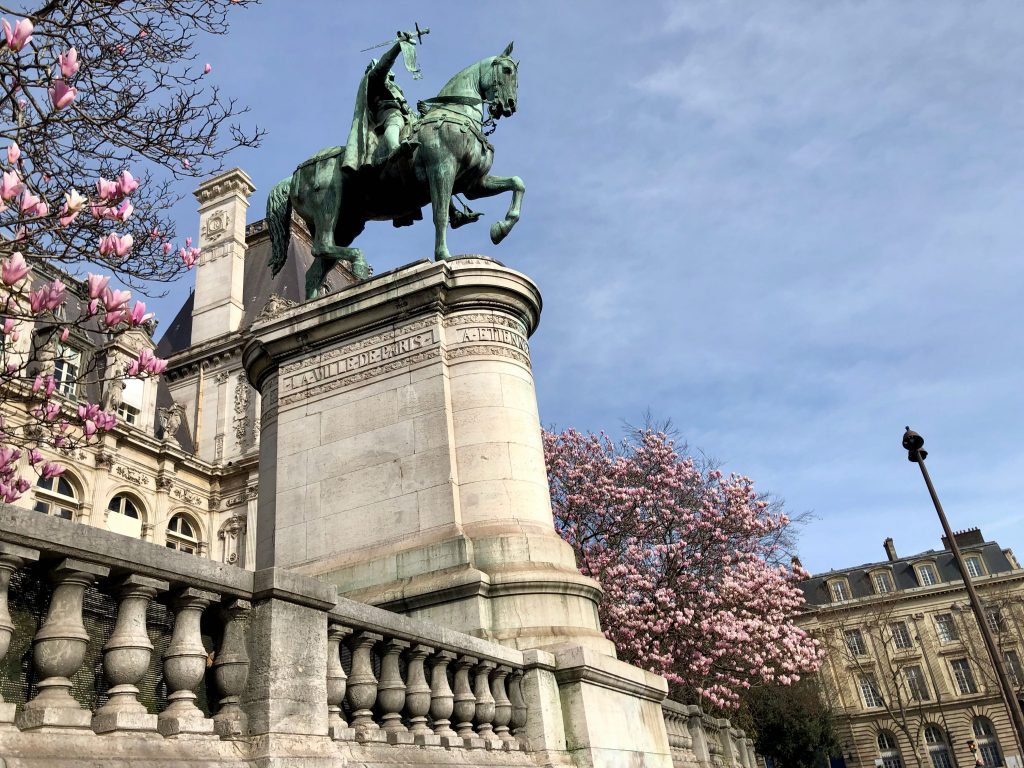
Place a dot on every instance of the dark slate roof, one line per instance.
(816, 592)
(258, 284)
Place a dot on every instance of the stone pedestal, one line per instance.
(401, 457)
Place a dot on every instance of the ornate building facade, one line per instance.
(180, 468)
(906, 673)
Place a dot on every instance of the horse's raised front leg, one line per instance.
(489, 186)
(441, 178)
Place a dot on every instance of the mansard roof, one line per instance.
(816, 588)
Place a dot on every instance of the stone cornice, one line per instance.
(233, 182)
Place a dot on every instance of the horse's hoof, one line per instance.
(360, 268)
(498, 231)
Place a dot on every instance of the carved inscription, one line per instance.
(189, 498)
(340, 367)
(490, 335)
(131, 474)
(494, 337)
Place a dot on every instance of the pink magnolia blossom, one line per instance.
(138, 314)
(107, 189)
(68, 63)
(74, 202)
(126, 183)
(207, 69)
(124, 211)
(29, 202)
(167, 248)
(65, 334)
(147, 363)
(189, 256)
(14, 269)
(61, 94)
(20, 36)
(10, 185)
(48, 297)
(97, 284)
(51, 470)
(118, 245)
(13, 153)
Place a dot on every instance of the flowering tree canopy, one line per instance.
(688, 559)
(90, 91)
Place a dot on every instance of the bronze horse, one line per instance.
(451, 155)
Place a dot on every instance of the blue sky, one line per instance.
(791, 227)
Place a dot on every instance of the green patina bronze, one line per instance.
(396, 161)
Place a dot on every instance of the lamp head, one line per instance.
(914, 444)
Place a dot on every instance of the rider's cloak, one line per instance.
(362, 137)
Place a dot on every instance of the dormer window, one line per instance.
(883, 582)
(839, 590)
(66, 367)
(974, 565)
(926, 574)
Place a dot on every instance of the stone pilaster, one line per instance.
(219, 297)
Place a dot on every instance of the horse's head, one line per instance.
(500, 84)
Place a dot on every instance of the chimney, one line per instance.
(890, 549)
(965, 538)
(219, 301)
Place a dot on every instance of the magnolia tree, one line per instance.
(102, 107)
(689, 562)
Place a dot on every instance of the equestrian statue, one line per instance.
(396, 161)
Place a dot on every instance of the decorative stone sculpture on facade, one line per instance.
(395, 163)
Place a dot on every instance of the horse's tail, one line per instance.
(279, 214)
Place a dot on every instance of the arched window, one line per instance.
(122, 505)
(988, 746)
(889, 750)
(938, 747)
(56, 496)
(182, 535)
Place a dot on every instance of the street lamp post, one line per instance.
(914, 444)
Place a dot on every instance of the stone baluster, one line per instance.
(59, 649)
(336, 684)
(12, 557)
(442, 701)
(464, 701)
(362, 686)
(126, 657)
(185, 666)
(483, 717)
(417, 695)
(231, 671)
(502, 704)
(391, 693)
(515, 694)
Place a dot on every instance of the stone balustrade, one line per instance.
(231, 644)
(698, 740)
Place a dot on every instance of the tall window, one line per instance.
(130, 408)
(964, 676)
(56, 496)
(938, 748)
(901, 635)
(182, 536)
(946, 628)
(840, 591)
(926, 575)
(883, 583)
(916, 685)
(1013, 668)
(869, 690)
(855, 642)
(889, 750)
(994, 619)
(122, 505)
(988, 746)
(66, 368)
(974, 567)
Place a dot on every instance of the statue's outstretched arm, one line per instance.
(387, 61)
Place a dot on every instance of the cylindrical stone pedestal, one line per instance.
(401, 457)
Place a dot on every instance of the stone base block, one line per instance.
(427, 740)
(342, 733)
(396, 738)
(229, 728)
(474, 742)
(376, 736)
(124, 721)
(56, 717)
(7, 712)
(451, 742)
(178, 726)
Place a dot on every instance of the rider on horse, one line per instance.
(381, 115)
